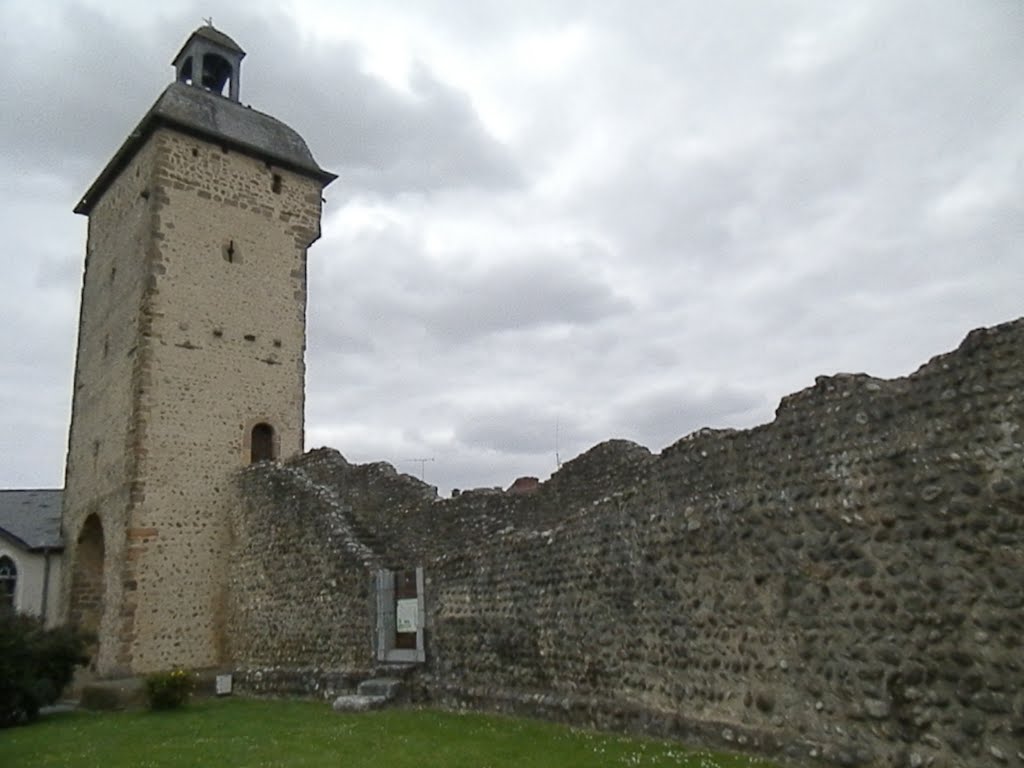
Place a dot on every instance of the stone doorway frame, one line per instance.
(387, 608)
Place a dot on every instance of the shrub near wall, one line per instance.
(36, 664)
(169, 690)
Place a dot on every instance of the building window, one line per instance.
(262, 443)
(230, 252)
(8, 582)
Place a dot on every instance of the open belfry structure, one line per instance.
(190, 358)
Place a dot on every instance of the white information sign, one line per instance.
(223, 685)
(405, 615)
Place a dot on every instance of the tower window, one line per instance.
(8, 582)
(231, 254)
(275, 184)
(262, 443)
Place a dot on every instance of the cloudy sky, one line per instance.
(555, 222)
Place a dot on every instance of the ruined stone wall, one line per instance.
(845, 584)
(293, 555)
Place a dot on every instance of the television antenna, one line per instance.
(558, 460)
(423, 467)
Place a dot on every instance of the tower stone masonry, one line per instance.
(190, 360)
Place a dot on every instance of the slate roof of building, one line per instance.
(214, 35)
(31, 517)
(199, 112)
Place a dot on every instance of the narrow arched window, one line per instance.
(8, 582)
(262, 443)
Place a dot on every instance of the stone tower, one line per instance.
(190, 359)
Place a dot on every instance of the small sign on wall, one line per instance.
(405, 615)
(223, 685)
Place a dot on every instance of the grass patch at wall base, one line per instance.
(301, 734)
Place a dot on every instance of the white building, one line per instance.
(30, 552)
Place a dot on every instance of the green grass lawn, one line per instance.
(240, 733)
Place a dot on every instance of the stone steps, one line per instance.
(353, 702)
(374, 693)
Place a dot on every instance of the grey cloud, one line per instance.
(863, 133)
(380, 140)
(662, 416)
(389, 288)
(431, 139)
(332, 339)
(35, 438)
(78, 95)
(35, 403)
(522, 295)
(59, 273)
(524, 428)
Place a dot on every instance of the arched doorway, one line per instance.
(86, 604)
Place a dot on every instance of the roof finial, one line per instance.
(209, 21)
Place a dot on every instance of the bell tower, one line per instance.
(190, 360)
(215, 58)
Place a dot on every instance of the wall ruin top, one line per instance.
(843, 584)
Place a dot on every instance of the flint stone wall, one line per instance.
(844, 584)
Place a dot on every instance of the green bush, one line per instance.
(169, 690)
(36, 664)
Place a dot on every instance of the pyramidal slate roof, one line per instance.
(216, 118)
(31, 518)
(214, 35)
